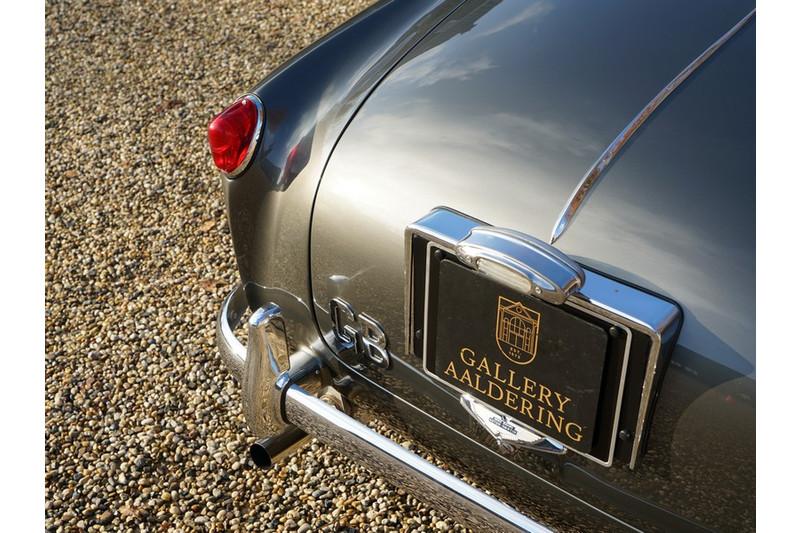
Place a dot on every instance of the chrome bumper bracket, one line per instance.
(276, 401)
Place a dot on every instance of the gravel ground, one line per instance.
(143, 423)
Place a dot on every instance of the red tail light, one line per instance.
(233, 134)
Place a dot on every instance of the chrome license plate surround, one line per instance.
(642, 314)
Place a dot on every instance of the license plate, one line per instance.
(535, 362)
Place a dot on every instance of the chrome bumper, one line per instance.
(276, 403)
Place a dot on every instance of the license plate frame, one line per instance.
(606, 422)
(650, 321)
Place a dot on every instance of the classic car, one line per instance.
(521, 233)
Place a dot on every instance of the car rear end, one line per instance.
(418, 143)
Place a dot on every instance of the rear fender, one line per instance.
(308, 102)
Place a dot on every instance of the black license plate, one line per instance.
(535, 362)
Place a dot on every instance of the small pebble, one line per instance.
(105, 517)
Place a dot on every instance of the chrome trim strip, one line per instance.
(468, 505)
(593, 175)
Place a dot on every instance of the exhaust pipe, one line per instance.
(270, 450)
(279, 399)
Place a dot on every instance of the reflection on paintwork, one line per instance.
(534, 12)
(430, 69)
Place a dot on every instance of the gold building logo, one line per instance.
(517, 331)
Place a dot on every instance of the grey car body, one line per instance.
(496, 109)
